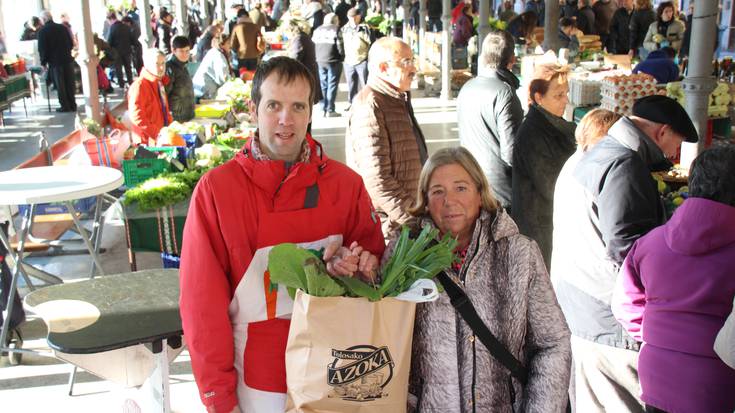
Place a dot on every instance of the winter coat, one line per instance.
(180, 90)
(328, 43)
(434, 9)
(604, 11)
(302, 49)
(640, 20)
(121, 38)
(258, 17)
(659, 65)
(618, 42)
(54, 45)
(681, 277)
(356, 41)
(165, 34)
(148, 106)
(607, 201)
(538, 7)
(674, 35)
(568, 42)
(586, 20)
(341, 11)
(543, 144)
(462, 31)
(489, 114)
(203, 46)
(506, 281)
(313, 13)
(244, 40)
(221, 241)
(212, 73)
(385, 145)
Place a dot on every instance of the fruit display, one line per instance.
(672, 198)
(236, 92)
(620, 92)
(719, 100)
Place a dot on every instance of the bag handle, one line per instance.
(464, 307)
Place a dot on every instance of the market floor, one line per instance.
(39, 384)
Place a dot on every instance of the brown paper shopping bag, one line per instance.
(348, 355)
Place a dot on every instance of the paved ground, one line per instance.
(39, 384)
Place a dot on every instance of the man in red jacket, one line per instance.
(147, 101)
(280, 188)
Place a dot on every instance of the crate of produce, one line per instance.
(181, 153)
(211, 110)
(82, 206)
(136, 171)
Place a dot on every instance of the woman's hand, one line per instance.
(343, 261)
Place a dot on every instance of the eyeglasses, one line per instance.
(406, 62)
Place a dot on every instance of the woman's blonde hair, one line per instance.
(593, 126)
(453, 156)
(543, 76)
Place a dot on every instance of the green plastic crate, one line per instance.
(136, 171)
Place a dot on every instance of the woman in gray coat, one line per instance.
(504, 276)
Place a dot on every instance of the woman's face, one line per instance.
(454, 201)
(668, 14)
(555, 100)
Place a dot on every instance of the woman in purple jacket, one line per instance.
(676, 289)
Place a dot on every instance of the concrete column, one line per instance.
(422, 31)
(406, 15)
(699, 82)
(483, 27)
(551, 28)
(204, 13)
(88, 63)
(446, 92)
(182, 18)
(221, 10)
(146, 31)
(393, 16)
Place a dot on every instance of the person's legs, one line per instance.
(70, 86)
(335, 71)
(605, 378)
(251, 64)
(362, 74)
(351, 77)
(61, 92)
(324, 82)
(127, 62)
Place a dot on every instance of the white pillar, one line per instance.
(446, 92)
(146, 31)
(393, 15)
(422, 31)
(483, 27)
(182, 18)
(204, 13)
(88, 63)
(551, 26)
(406, 15)
(699, 82)
(221, 10)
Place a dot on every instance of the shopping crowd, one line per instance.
(564, 247)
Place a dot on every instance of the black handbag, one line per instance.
(464, 307)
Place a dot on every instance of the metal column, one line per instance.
(146, 31)
(182, 18)
(551, 26)
(699, 82)
(446, 92)
(88, 60)
(422, 31)
(483, 28)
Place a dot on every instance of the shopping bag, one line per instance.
(348, 355)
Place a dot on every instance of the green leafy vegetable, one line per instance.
(298, 268)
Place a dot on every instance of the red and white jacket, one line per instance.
(224, 232)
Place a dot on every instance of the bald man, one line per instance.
(384, 142)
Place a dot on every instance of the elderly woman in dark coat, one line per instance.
(545, 141)
(504, 277)
(302, 48)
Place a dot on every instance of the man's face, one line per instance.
(401, 71)
(668, 140)
(183, 54)
(282, 116)
(158, 69)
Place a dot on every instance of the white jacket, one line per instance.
(725, 341)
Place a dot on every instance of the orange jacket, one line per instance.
(147, 104)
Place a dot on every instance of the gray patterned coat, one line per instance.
(506, 280)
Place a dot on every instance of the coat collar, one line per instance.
(383, 87)
(626, 133)
(502, 74)
(147, 75)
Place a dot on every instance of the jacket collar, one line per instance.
(626, 133)
(383, 87)
(502, 74)
(147, 75)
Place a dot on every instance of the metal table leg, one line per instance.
(87, 241)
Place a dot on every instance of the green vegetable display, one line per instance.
(412, 259)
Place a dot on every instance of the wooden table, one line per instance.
(118, 327)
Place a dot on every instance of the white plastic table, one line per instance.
(52, 184)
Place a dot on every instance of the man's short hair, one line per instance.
(331, 18)
(497, 50)
(287, 70)
(383, 50)
(180, 42)
(567, 22)
(46, 16)
(242, 12)
(163, 14)
(712, 175)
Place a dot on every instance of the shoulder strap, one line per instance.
(464, 307)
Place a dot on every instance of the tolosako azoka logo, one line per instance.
(360, 373)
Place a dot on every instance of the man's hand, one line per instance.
(342, 261)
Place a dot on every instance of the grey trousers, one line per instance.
(605, 378)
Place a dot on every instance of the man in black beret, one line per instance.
(612, 202)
